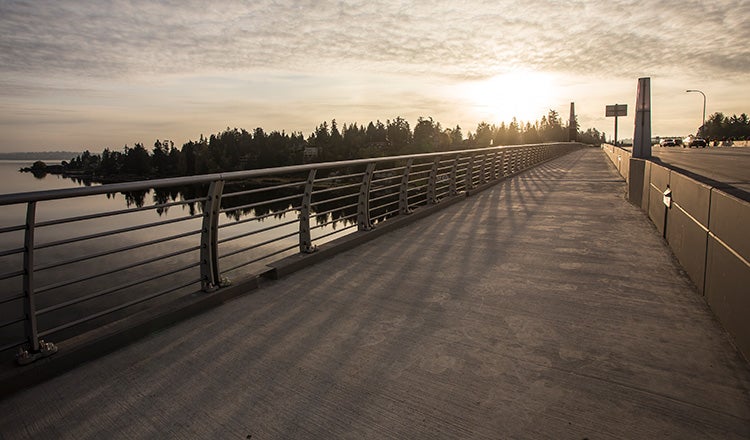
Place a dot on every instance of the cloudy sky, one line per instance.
(97, 74)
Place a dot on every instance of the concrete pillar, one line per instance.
(572, 129)
(642, 135)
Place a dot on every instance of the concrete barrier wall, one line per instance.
(707, 229)
(687, 225)
(620, 158)
(727, 284)
(658, 183)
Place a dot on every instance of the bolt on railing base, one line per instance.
(210, 287)
(46, 349)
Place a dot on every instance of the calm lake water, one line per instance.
(14, 182)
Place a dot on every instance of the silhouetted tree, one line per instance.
(457, 137)
(425, 137)
(483, 136)
(398, 134)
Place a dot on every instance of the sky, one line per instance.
(80, 75)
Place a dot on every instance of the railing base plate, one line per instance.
(46, 349)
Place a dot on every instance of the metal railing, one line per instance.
(68, 266)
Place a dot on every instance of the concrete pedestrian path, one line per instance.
(544, 307)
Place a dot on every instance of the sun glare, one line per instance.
(525, 95)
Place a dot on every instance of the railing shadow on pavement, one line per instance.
(88, 277)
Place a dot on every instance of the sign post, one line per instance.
(616, 110)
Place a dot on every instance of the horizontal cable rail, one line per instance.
(249, 262)
(259, 218)
(112, 232)
(337, 220)
(114, 213)
(338, 231)
(258, 245)
(12, 229)
(334, 199)
(258, 231)
(114, 251)
(341, 208)
(69, 271)
(256, 205)
(111, 290)
(261, 190)
(117, 308)
(116, 269)
(12, 298)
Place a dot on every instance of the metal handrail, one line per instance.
(417, 180)
(55, 194)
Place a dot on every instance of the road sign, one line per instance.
(617, 110)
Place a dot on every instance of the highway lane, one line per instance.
(724, 167)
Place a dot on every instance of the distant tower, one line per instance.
(572, 128)
(642, 134)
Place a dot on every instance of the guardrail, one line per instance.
(70, 266)
(705, 227)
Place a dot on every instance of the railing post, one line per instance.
(468, 183)
(483, 169)
(305, 241)
(36, 348)
(497, 165)
(363, 205)
(403, 194)
(432, 182)
(210, 276)
(453, 190)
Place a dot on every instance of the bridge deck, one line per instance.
(545, 307)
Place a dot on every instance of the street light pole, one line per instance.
(704, 105)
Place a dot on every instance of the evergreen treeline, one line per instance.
(720, 127)
(237, 149)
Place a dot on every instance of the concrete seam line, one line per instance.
(705, 229)
(706, 254)
(729, 248)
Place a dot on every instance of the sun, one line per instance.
(525, 95)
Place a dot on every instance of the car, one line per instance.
(667, 142)
(692, 141)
